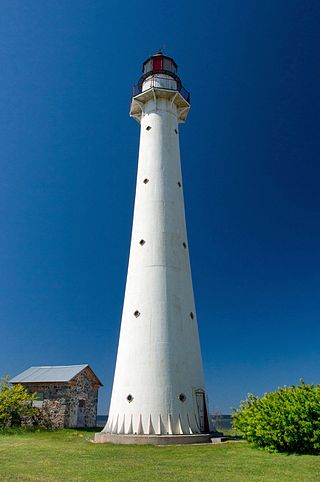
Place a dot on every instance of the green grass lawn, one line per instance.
(67, 455)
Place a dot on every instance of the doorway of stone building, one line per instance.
(81, 413)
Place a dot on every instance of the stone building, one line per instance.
(67, 395)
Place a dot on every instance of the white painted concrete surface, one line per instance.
(159, 355)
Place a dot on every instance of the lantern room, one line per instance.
(159, 71)
(159, 63)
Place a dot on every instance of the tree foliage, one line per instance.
(15, 404)
(287, 420)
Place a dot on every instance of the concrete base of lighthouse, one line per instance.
(121, 439)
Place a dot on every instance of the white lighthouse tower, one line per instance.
(158, 392)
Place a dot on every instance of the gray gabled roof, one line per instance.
(50, 374)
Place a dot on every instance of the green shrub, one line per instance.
(15, 404)
(287, 420)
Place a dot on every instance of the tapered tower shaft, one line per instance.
(158, 384)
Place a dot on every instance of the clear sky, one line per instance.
(250, 157)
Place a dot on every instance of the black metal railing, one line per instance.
(166, 84)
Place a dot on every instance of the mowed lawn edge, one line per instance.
(68, 455)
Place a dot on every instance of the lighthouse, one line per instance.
(158, 393)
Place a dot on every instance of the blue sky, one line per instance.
(250, 158)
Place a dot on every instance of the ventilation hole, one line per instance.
(146, 181)
(142, 242)
(129, 398)
(191, 315)
(184, 245)
(148, 128)
(182, 397)
(179, 183)
(137, 313)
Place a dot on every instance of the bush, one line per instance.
(287, 420)
(15, 404)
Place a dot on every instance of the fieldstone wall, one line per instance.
(83, 388)
(52, 413)
(53, 408)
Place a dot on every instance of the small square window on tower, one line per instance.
(137, 313)
(148, 128)
(184, 245)
(146, 181)
(142, 242)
